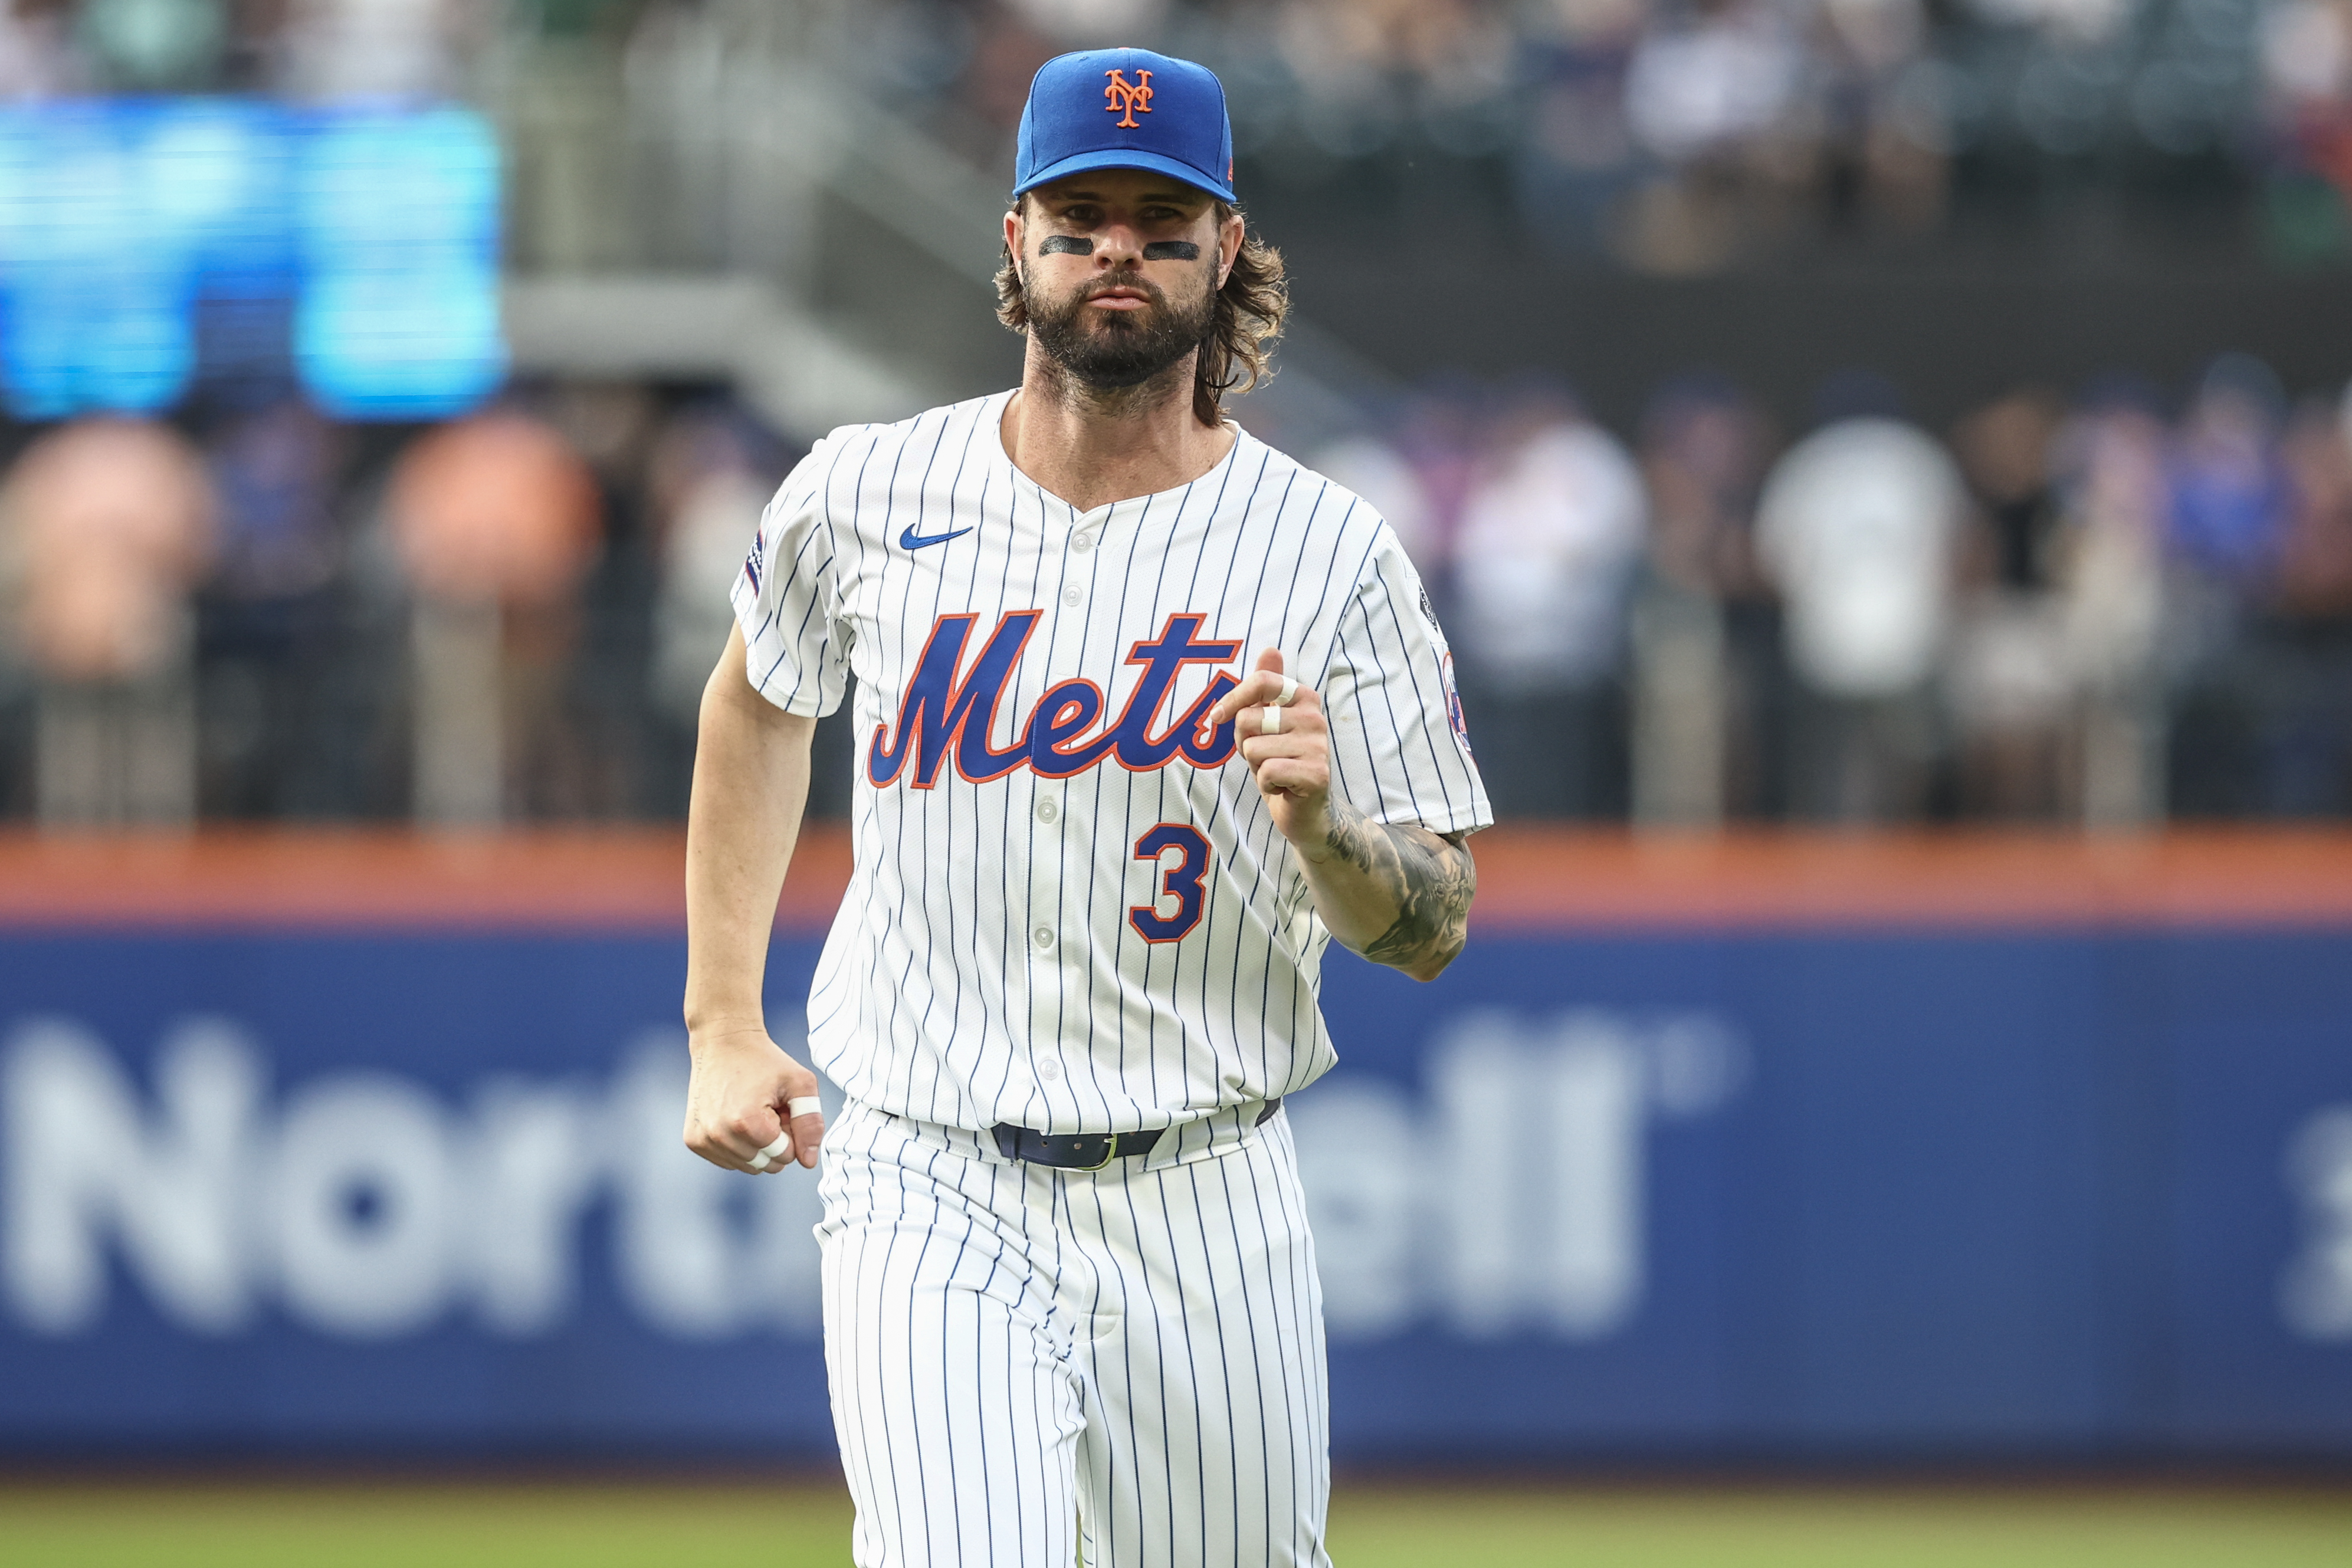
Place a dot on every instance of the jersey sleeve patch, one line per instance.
(788, 600)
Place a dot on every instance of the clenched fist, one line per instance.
(1280, 731)
(739, 1103)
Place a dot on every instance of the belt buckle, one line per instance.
(1110, 1152)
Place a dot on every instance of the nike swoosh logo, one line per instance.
(911, 540)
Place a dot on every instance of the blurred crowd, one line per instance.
(295, 48)
(1679, 136)
(2111, 609)
(2111, 605)
(1683, 136)
(253, 612)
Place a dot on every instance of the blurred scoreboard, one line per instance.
(146, 245)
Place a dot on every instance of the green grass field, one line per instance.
(595, 1525)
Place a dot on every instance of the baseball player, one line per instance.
(1147, 713)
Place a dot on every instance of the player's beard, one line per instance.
(1109, 351)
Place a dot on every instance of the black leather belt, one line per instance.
(1084, 1151)
(1071, 1151)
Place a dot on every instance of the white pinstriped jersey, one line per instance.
(1070, 908)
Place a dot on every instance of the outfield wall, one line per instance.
(1979, 1148)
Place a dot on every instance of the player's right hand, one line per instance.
(736, 1100)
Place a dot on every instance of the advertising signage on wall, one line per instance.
(1735, 1191)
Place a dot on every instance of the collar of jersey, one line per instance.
(995, 417)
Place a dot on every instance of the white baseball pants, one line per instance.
(1030, 1364)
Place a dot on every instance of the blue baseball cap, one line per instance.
(1126, 109)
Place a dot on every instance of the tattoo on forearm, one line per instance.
(1430, 875)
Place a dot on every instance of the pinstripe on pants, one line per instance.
(1018, 1354)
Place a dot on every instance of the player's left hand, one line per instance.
(1288, 746)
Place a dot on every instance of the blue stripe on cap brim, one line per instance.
(1119, 158)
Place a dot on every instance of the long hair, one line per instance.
(1237, 354)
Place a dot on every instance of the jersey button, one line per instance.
(1043, 937)
(1049, 1069)
(1072, 595)
(1046, 810)
(1082, 542)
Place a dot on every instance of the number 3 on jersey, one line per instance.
(1181, 882)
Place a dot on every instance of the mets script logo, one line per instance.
(1125, 98)
(942, 716)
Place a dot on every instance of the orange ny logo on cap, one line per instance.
(1127, 98)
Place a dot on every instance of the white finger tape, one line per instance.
(802, 1105)
(760, 1161)
(1289, 691)
(779, 1149)
(1271, 723)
